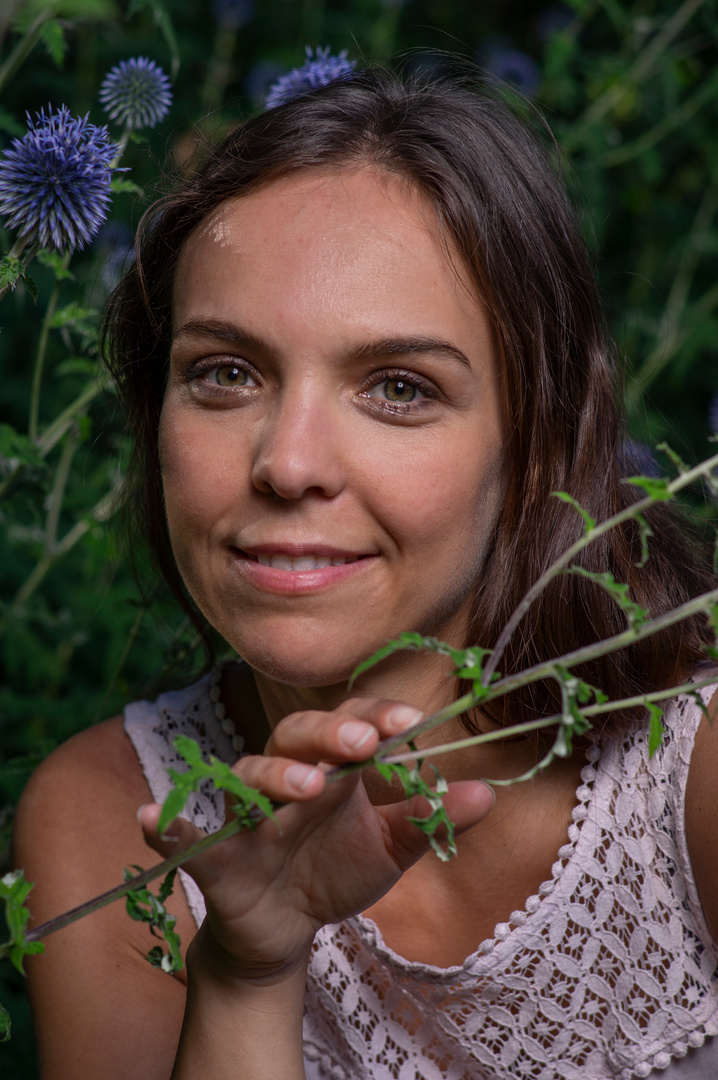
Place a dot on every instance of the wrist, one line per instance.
(208, 961)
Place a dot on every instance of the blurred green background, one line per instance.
(630, 90)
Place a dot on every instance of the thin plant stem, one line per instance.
(24, 47)
(55, 430)
(42, 351)
(57, 494)
(630, 512)
(638, 73)
(548, 721)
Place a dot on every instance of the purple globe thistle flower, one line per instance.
(516, 67)
(318, 70)
(136, 93)
(636, 459)
(713, 415)
(55, 181)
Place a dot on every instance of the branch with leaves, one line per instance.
(399, 757)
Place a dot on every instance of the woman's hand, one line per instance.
(269, 891)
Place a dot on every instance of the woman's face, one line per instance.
(331, 439)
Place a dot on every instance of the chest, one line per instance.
(439, 913)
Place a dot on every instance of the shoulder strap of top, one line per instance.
(152, 727)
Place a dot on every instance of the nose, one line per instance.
(298, 449)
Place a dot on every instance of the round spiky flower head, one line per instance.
(320, 69)
(55, 181)
(136, 93)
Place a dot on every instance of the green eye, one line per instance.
(399, 390)
(231, 376)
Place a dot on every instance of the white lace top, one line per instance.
(608, 973)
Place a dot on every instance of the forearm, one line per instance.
(238, 1029)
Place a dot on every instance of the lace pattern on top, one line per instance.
(152, 727)
(609, 972)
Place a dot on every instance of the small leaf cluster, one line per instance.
(437, 825)
(248, 801)
(144, 906)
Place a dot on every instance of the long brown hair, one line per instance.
(500, 206)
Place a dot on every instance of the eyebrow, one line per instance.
(384, 347)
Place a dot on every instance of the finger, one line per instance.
(178, 835)
(467, 802)
(281, 779)
(349, 733)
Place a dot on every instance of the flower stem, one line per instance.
(23, 48)
(686, 478)
(42, 350)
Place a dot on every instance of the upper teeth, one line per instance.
(303, 562)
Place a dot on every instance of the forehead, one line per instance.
(354, 244)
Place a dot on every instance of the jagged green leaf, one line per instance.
(645, 531)
(55, 262)
(413, 784)
(14, 891)
(121, 186)
(467, 662)
(589, 522)
(199, 772)
(635, 614)
(5, 1024)
(655, 487)
(53, 36)
(678, 461)
(10, 271)
(71, 315)
(13, 446)
(143, 906)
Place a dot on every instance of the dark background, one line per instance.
(630, 91)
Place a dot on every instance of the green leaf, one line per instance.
(122, 186)
(143, 906)
(467, 662)
(13, 892)
(10, 271)
(679, 463)
(635, 614)
(30, 285)
(414, 784)
(14, 446)
(656, 729)
(53, 35)
(76, 365)
(645, 531)
(5, 1024)
(247, 800)
(55, 262)
(71, 315)
(589, 522)
(655, 487)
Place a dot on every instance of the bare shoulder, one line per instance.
(96, 999)
(702, 814)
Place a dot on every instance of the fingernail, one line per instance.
(169, 839)
(354, 734)
(401, 717)
(139, 812)
(300, 776)
(492, 790)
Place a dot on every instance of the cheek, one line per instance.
(197, 474)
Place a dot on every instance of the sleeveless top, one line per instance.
(609, 972)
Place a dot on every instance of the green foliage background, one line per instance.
(631, 92)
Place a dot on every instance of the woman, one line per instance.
(359, 350)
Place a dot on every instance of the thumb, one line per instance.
(467, 802)
(178, 835)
